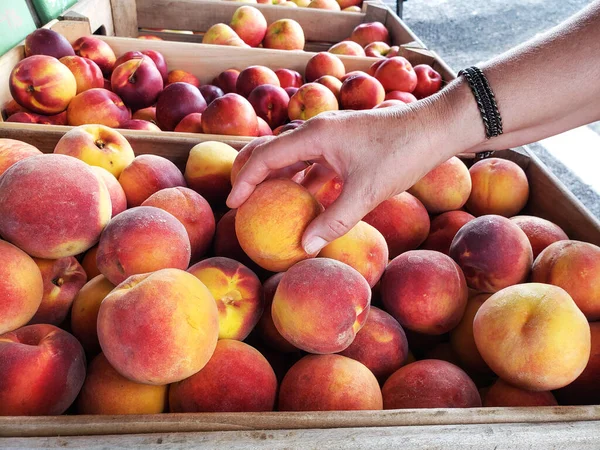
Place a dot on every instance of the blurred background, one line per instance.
(465, 32)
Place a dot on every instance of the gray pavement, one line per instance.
(465, 32)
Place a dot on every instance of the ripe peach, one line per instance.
(253, 77)
(227, 80)
(222, 34)
(575, 267)
(71, 208)
(377, 49)
(21, 287)
(289, 78)
(332, 83)
(271, 104)
(284, 34)
(26, 117)
(11, 107)
(13, 151)
(324, 63)
(380, 345)
(148, 114)
(533, 336)
(138, 82)
(493, 253)
(158, 328)
(142, 240)
(430, 383)
(42, 84)
(263, 127)
(45, 41)
(397, 74)
(348, 48)
(43, 368)
(405, 97)
(146, 175)
(249, 24)
(84, 312)
(97, 145)
(363, 248)
(320, 304)
(443, 229)
(429, 81)
(389, 103)
(499, 187)
(502, 394)
(98, 51)
(237, 378)
(175, 102)
(210, 93)
(86, 72)
(106, 391)
(365, 33)
(192, 123)
(63, 278)
(310, 100)
(361, 92)
(445, 188)
(89, 263)
(181, 76)
(403, 221)
(540, 232)
(425, 291)
(208, 170)
(98, 106)
(330, 5)
(159, 62)
(193, 211)
(270, 224)
(237, 291)
(231, 115)
(329, 383)
(323, 183)
(135, 124)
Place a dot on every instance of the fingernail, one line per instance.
(314, 244)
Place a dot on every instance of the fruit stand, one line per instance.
(118, 22)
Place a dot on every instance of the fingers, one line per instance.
(349, 208)
(283, 151)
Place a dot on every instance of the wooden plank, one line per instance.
(98, 12)
(125, 17)
(194, 422)
(558, 436)
(73, 29)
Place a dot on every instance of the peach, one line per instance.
(288, 126)
(533, 336)
(42, 84)
(253, 77)
(89, 263)
(11, 107)
(445, 188)
(193, 211)
(98, 106)
(332, 83)
(26, 117)
(106, 391)
(86, 72)
(141, 240)
(181, 76)
(329, 383)
(405, 97)
(584, 390)
(320, 305)
(43, 368)
(389, 103)
(462, 340)
(98, 51)
(323, 183)
(380, 345)
(373, 67)
(21, 287)
(148, 114)
(289, 78)
(425, 291)
(237, 378)
(363, 248)
(330, 5)
(138, 82)
(348, 48)
(249, 24)
(270, 224)
(71, 208)
(84, 312)
(44, 41)
(443, 229)
(265, 327)
(158, 328)
(263, 127)
(284, 34)
(97, 145)
(429, 81)
(502, 394)
(499, 187)
(159, 62)
(397, 74)
(146, 175)
(63, 278)
(310, 100)
(493, 253)
(222, 34)
(231, 115)
(149, 37)
(403, 221)
(575, 267)
(237, 291)
(270, 104)
(227, 80)
(540, 232)
(324, 63)
(208, 170)
(192, 123)
(175, 102)
(377, 49)
(135, 124)
(13, 151)
(365, 33)
(430, 383)
(361, 91)
(355, 9)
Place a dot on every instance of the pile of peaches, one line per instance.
(330, 5)
(127, 287)
(87, 84)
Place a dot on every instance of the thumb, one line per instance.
(349, 208)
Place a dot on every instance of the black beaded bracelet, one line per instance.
(486, 101)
